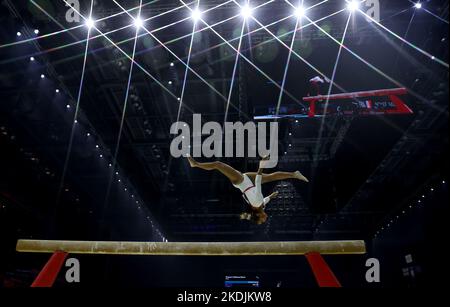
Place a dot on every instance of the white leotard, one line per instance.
(252, 193)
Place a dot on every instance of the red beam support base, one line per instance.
(324, 276)
(49, 273)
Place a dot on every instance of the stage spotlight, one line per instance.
(353, 5)
(19, 34)
(32, 59)
(418, 5)
(138, 23)
(246, 11)
(172, 64)
(42, 76)
(57, 91)
(36, 31)
(90, 23)
(196, 15)
(299, 12)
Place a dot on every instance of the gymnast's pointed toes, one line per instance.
(192, 162)
(300, 176)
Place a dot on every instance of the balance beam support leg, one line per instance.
(324, 276)
(49, 273)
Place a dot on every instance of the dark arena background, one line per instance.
(89, 91)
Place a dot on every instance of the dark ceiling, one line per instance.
(361, 168)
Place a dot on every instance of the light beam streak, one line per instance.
(298, 56)
(186, 72)
(236, 62)
(187, 65)
(72, 134)
(82, 25)
(430, 56)
(245, 58)
(124, 111)
(374, 68)
(327, 103)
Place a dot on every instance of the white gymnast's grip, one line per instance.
(193, 248)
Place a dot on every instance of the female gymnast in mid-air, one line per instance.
(250, 186)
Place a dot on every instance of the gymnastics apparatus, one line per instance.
(313, 251)
(369, 103)
(365, 103)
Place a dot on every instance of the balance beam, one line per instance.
(364, 94)
(194, 248)
(312, 250)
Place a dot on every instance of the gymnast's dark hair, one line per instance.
(254, 216)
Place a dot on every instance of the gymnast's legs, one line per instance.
(235, 176)
(278, 176)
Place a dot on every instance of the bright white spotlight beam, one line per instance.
(196, 15)
(275, 37)
(243, 56)
(418, 5)
(181, 61)
(90, 23)
(138, 22)
(299, 12)
(246, 11)
(132, 60)
(353, 5)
